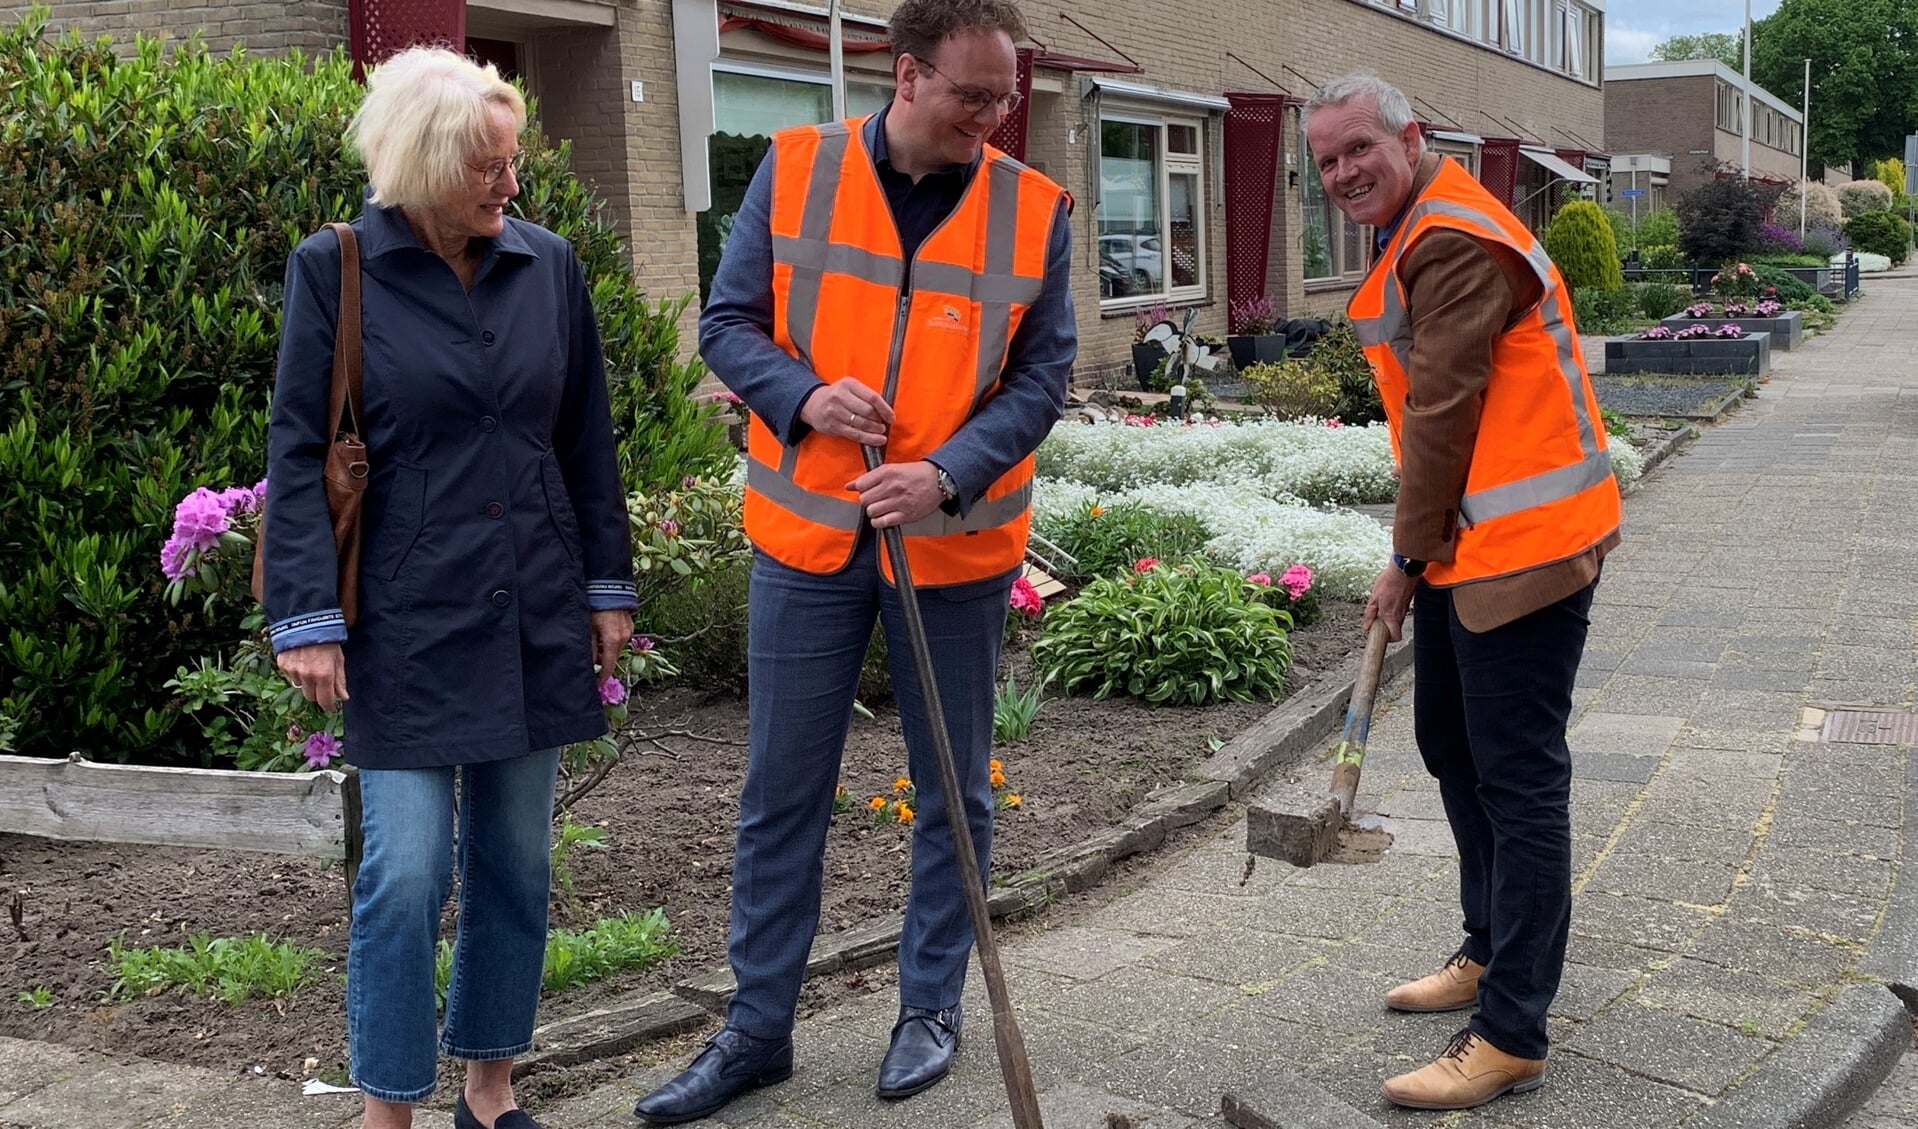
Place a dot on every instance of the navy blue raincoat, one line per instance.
(494, 520)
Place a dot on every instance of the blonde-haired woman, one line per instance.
(496, 571)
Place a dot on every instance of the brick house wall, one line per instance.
(312, 26)
(1677, 117)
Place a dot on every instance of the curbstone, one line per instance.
(1893, 956)
(1287, 1101)
(610, 1031)
(1824, 1074)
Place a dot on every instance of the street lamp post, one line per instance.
(1804, 154)
(1745, 150)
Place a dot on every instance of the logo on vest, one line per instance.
(948, 317)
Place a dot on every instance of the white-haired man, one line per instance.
(1506, 508)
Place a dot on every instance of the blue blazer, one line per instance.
(495, 518)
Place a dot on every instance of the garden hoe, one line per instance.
(1302, 827)
(1005, 1026)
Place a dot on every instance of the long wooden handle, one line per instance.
(1350, 758)
(1013, 1064)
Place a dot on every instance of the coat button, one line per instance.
(494, 509)
(501, 598)
(487, 337)
(488, 423)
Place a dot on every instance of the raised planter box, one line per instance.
(1787, 329)
(1702, 356)
(1248, 350)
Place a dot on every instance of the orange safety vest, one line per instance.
(1540, 488)
(932, 340)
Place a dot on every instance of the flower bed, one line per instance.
(1786, 327)
(1696, 349)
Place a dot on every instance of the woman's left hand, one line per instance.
(612, 631)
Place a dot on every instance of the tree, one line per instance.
(1718, 221)
(1725, 46)
(1864, 72)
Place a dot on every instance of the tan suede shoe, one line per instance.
(1450, 988)
(1471, 1072)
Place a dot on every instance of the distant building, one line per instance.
(1691, 114)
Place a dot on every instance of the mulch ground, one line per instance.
(669, 815)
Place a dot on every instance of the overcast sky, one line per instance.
(1634, 27)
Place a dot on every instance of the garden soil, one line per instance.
(668, 811)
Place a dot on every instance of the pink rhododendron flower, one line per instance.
(669, 527)
(1297, 580)
(1145, 564)
(1025, 598)
(294, 733)
(1262, 579)
(611, 692)
(321, 748)
(1334, 422)
(642, 643)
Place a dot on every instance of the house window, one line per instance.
(1151, 208)
(750, 104)
(1330, 246)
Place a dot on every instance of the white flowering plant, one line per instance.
(1627, 464)
(1317, 460)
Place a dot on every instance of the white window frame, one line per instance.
(1169, 162)
(1344, 275)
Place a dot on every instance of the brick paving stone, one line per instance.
(1690, 1053)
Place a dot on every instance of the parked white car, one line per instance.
(1140, 256)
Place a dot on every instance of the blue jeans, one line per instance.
(504, 844)
(807, 637)
(1490, 710)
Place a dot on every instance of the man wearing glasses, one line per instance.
(889, 282)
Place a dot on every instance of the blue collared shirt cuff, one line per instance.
(327, 626)
(611, 595)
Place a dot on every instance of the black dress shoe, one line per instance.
(923, 1045)
(512, 1119)
(732, 1063)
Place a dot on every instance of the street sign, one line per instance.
(1631, 193)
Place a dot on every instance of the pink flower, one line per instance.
(669, 527)
(1297, 580)
(642, 643)
(729, 398)
(294, 733)
(321, 748)
(611, 692)
(1262, 579)
(1139, 421)
(1145, 564)
(1334, 422)
(688, 482)
(1026, 599)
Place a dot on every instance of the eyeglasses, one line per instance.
(493, 171)
(973, 98)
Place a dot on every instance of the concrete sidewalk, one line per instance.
(1738, 902)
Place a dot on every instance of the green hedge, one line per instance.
(1881, 233)
(1580, 242)
(146, 214)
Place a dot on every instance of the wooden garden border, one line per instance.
(315, 814)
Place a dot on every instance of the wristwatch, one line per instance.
(946, 485)
(1408, 566)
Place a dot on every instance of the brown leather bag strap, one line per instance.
(348, 399)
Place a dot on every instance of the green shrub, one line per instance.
(1659, 300)
(1580, 243)
(1787, 286)
(1109, 539)
(1339, 353)
(1817, 303)
(1604, 311)
(1657, 229)
(1821, 205)
(1661, 256)
(149, 208)
(1863, 196)
(1718, 221)
(1881, 233)
(1293, 388)
(1174, 634)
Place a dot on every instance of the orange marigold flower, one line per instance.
(839, 791)
(998, 780)
(877, 803)
(905, 813)
(995, 766)
(901, 784)
(1097, 511)
(1014, 800)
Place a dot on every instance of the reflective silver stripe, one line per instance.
(1538, 490)
(820, 509)
(991, 286)
(815, 224)
(995, 315)
(987, 513)
(788, 459)
(818, 256)
(1395, 326)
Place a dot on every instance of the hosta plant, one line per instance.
(1189, 633)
